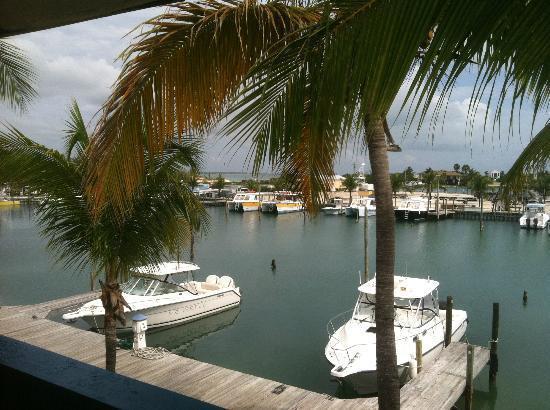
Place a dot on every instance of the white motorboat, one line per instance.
(415, 207)
(336, 209)
(283, 203)
(534, 217)
(155, 292)
(352, 346)
(358, 207)
(245, 201)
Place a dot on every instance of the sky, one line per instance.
(80, 61)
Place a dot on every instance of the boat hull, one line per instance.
(365, 382)
(404, 215)
(534, 223)
(178, 312)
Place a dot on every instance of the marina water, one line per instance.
(279, 332)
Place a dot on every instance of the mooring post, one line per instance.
(493, 361)
(273, 264)
(418, 355)
(524, 297)
(139, 326)
(469, 391)
(448, 321)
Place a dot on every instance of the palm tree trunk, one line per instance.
(366, 243)
(387, 376)
(110, 340)
(108, 300)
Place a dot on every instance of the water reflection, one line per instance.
(179, 338)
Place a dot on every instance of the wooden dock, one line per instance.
(439, 386)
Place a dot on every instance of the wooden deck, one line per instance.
(439, 386)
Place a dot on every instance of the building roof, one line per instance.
(25, 16)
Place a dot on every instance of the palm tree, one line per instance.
(428, 178)
(478, 185)
(219, 183)
(316, 79)
(350, 184)
(397, 183)
(17, 77)
(152, 229)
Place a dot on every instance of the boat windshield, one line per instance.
(149, 287)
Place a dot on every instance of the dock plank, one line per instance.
(438, 386)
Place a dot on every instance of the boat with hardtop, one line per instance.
(158, 292)
(352, 335)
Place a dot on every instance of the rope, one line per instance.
(150, 353)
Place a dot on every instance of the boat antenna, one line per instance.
(359, 272)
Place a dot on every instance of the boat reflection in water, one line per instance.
(178, 338)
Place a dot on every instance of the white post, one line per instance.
(413, 371)
(139, 325)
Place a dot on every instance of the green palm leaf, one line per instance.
(534, 158)
(179, 75)
(17, 77)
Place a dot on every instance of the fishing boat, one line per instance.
(245, 202)
(158, 293)
(352, 345)
(415, 207)
(534, 217)
(283, 203)
(336, 208)
(358, 207)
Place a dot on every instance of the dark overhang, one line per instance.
(25, 16)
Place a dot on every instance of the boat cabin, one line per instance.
(415, 301)
(158, 280)
(534, 208)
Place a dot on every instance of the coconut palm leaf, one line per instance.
(508, 42)
(76, 135)
(179, 75)
(534, 158)
(17, 77)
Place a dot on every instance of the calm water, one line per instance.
(279, 332)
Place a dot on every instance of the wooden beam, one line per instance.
(25, 16)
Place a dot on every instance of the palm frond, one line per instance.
(506, 41)
(533, 159)
(41, 168)
(17, 77)
(177, 79)
(76, 135)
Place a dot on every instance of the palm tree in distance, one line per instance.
(315, 80)
(428, 178)
(397, 183)
(17, 77)
(478, 184)
(153, 228)
(350, 184)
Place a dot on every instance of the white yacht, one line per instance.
(352, 346)
(336, 209)
(358, 207)
(245, 201)
(534, 217)
(155, 292)
(415, 207)
(283, 203)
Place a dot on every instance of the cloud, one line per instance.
(80, 61)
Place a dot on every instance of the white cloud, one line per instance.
(80, 61)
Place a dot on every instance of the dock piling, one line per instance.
(524, 297)
(418, 355)
(493, 358)
(273, 264)
(448, 321)
(469, 390)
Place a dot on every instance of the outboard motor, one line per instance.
(528, 221)
(535, 222)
